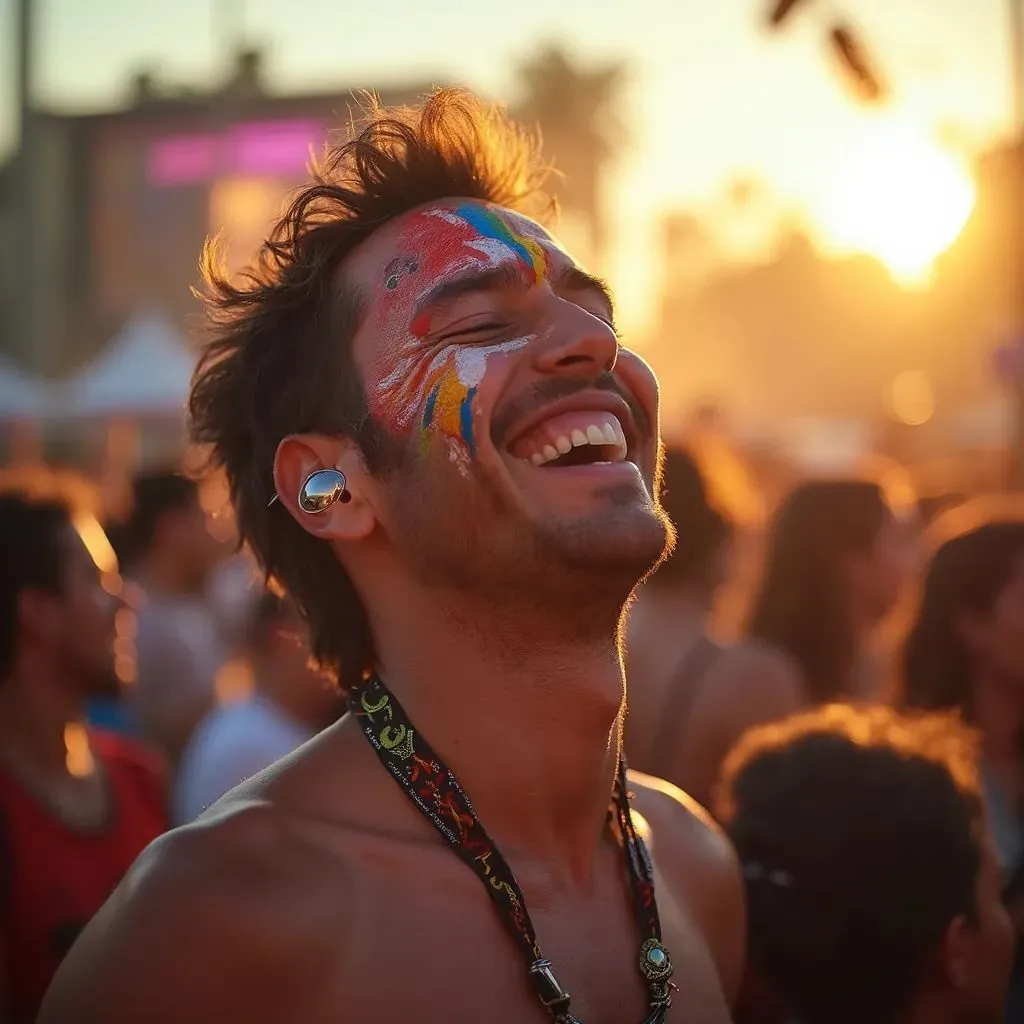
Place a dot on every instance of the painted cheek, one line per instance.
(448, 409)
(452, 407)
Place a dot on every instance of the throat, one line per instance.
(526, 717)
(435, 789)
(539, 776)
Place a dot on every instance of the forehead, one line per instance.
(443, 238)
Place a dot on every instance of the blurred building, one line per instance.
(124, 200)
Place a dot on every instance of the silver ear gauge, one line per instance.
(322, 489)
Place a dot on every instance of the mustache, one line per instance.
(553, 389)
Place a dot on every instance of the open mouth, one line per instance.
(577, 438)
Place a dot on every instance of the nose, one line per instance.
(577, 342)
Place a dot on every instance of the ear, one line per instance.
(297, 456)
(956, 953)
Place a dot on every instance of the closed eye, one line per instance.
(604, 317)
(485, 328)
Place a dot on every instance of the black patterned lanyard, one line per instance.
(437, 793)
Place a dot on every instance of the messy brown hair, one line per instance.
(279, 358)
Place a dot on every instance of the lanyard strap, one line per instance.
(436, 792)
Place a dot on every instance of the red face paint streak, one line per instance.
(433, 245)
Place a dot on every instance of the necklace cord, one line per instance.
(435, 791)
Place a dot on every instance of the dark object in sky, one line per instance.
(855, 62)
(781, 11)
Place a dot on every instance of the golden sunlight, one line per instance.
(78, 756)
(900, 198)
(97, 544)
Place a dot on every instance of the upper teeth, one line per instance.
(604, 431)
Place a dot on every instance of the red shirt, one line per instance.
(53, 879)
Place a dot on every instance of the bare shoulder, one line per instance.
(753, 681)
(225, 919)
(697, 861)
(684, 839)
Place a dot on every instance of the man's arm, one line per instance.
(211, 925)
(698, 861)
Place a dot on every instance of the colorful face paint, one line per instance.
(420, 381)
(449, 404)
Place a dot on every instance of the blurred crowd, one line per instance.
(862, 731)
(145, 673)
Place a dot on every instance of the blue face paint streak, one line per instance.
(490, 225)
(466, 420)
(428, 411)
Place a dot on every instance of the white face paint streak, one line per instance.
(445, 214)
(470, 366)
(471, 363)
(494, 249)
(400, 371)
(409, 404)
(457, 454)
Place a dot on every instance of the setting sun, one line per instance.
(900, 198)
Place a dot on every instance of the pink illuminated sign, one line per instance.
(256, 148)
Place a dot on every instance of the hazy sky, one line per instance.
(711, 97)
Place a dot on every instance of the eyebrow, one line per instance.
(511, 275)
(505, 275)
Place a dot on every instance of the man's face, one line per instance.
(185, 531)
(86, 633)
(530, 436)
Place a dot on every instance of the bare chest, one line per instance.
(428, 945)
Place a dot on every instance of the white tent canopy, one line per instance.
(24, 396)
(143, 372)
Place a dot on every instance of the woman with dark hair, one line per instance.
(668, 649)
(965, 651)
(835, 567)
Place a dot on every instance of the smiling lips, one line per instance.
(581, 437)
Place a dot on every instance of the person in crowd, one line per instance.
(668, 646)
(291, 702)
(836, 564)
(76, 806)
(180, 649)
(873, 889)
(965, 651)
(437, 444)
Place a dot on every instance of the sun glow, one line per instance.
(900, 198)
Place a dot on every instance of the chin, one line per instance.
(607, 555)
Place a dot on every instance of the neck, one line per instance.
(682, 608)
(162, 575)
(527, 719)
(35, 711)
(998, 708)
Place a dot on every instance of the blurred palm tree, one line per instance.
(847, 47)
(576, 111)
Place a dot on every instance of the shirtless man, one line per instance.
(436, 443)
